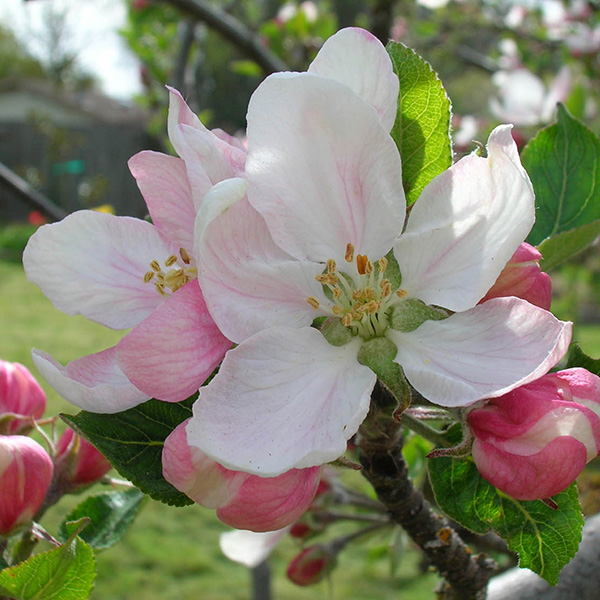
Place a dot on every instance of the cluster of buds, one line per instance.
(30, 479)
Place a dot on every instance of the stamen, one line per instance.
(155, 266)
(368, 267)
(347, 319)
(160, 288)
(401, 293)
(337, 310)
(383, 263)
(148, 276)
(349, 253)
(336, 291)
(386, 287)
(330, 266)
(313, 302)
(171, 260)
(361, 264)
(185, 257)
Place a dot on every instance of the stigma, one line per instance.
(179, 270)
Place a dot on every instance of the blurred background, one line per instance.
(82, 89)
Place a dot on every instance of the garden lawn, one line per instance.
(173, 553)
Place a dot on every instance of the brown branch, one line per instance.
(232, 30)
(380, 447)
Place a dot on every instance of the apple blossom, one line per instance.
(312, 565)
(522, 277)
(534, 441)
(20, 396)
(315, 229)
(78, 461)
(124, 272)
(25, 475)
(242, 500)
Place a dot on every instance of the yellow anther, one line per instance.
(337, 310)
(401, 293)
(327, 279)
(160, 288)
(361, 264)
(170, 261)
(337, 292)
(330, 266)
(347, 319)
(383, 263)
(386, 288)
(148, 276)
(313, 302)
(155, 266)
(357, 294)
(349, 253)
(160, 276)
(185, 257)
(369, 267)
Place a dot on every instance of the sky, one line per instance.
(91, 32)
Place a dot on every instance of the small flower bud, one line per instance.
(78, 461)
(25, 475)
(533, 442)
(523, 278)
(20, 394)
(312, 565)
(300, 530)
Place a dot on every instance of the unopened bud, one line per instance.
(25, 475)
(20, 395)
(312, 565)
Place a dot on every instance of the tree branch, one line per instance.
(380, 448)
(232, 30)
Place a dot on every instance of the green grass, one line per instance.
(173, 553)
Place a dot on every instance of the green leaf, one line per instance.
(563, 246)
(64, 573)
(578, 358)
(563, 161)
(110, 514)
(422, 127)
(133, 441)
(545, 539)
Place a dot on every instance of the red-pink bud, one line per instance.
(523, 278)
(20, 394)
(79, 462)
(25, 475)
(300, 530)
(312, 565)
(533, 442)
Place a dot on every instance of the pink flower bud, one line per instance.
(20, 394)
(25, 475)
(523, 278)
(79, 462)
(533, 442)
(312, 565)
(242, 500)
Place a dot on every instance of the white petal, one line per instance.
(482, 353)
(282, 399)
(94, 382)
(93, 264)
(249, 548)
(321, 169)
(249, 283)
(358, 59)
(466, 225)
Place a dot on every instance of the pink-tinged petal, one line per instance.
(282, 399)
(94, 382)
(583, 386)
(248, 282)
(180, 114)
(466, 225)
(482, 353)
(93, 264)
(358, 59)
(322, 171)
(172, 352)
(164, 184)
(541, 475)
(249, 548)
(242, 500)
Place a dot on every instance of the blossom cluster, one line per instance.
(281, 259)
(31, 478)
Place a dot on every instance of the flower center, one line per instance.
(360, 299)
(182, 271)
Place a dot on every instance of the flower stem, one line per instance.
(424, 430)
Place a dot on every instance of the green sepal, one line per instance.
(335, 332)
(407, 315)
(578, 358)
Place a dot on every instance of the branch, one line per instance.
(232, 30)
(384, 466)
(579, 580)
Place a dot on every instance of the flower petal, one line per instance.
(93, 264)
(482, 353)
(248, 282)
(466, 225)
(358, 59)
(164, 184)
(249, 548)
(172, 352)
(321, 169)
(94, 382)
(283, 399)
